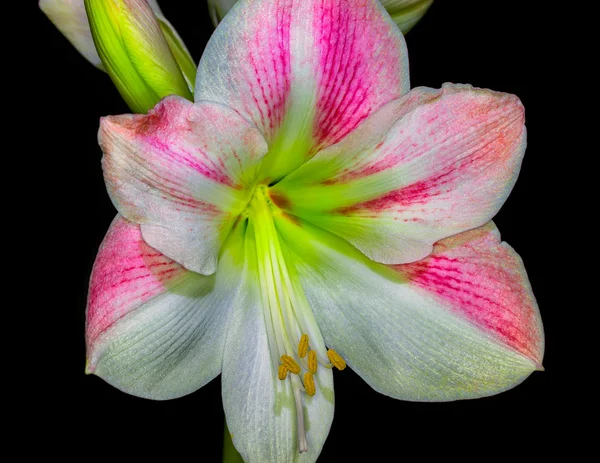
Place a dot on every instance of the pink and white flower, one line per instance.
(309, 211)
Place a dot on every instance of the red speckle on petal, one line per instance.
(280, 200)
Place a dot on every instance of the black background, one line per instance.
(478, 42)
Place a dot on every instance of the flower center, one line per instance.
(295, 342)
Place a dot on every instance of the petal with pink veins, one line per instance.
(460, 324)
(483, 280)
(305, 72)
(184, 172)
(155, 329)
(427, 166)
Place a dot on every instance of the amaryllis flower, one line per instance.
(305, 213)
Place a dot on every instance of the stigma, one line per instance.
(296, 345)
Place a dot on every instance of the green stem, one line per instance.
(230, 454)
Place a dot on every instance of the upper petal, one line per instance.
(260, 409)
(154, 329)
(461, 324)
(305, 72)
(427, 166)
(184, 172)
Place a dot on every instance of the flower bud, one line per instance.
(135, 53)
(177, 46)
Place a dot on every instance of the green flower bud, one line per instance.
(135, 52)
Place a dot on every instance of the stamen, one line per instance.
(312, 362)
(303, 346)
(291, 364)
(283, 372)
(288, 317)
(336, 360)
(309, 383)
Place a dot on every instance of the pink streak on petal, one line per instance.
(484, 281)
(463, 127)
(165, 171)
(268, 74)
(181, 168)
(165, 128)
(126, 274)
(330, 62)
(359, 67)
(472, 140)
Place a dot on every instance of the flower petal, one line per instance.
(424, 167)
(184, 172)
(461, 324)
(154, 329)
(260, 409)
(70, 18)
(305, 72)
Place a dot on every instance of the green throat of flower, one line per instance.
(294, 338)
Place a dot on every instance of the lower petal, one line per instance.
(461, 324)
(155, 329)
(261, 411)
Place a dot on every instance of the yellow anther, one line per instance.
(309, 383)
(303, 346)
(312, 362)
(282, 373)
(290, 363)
(336, 360)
